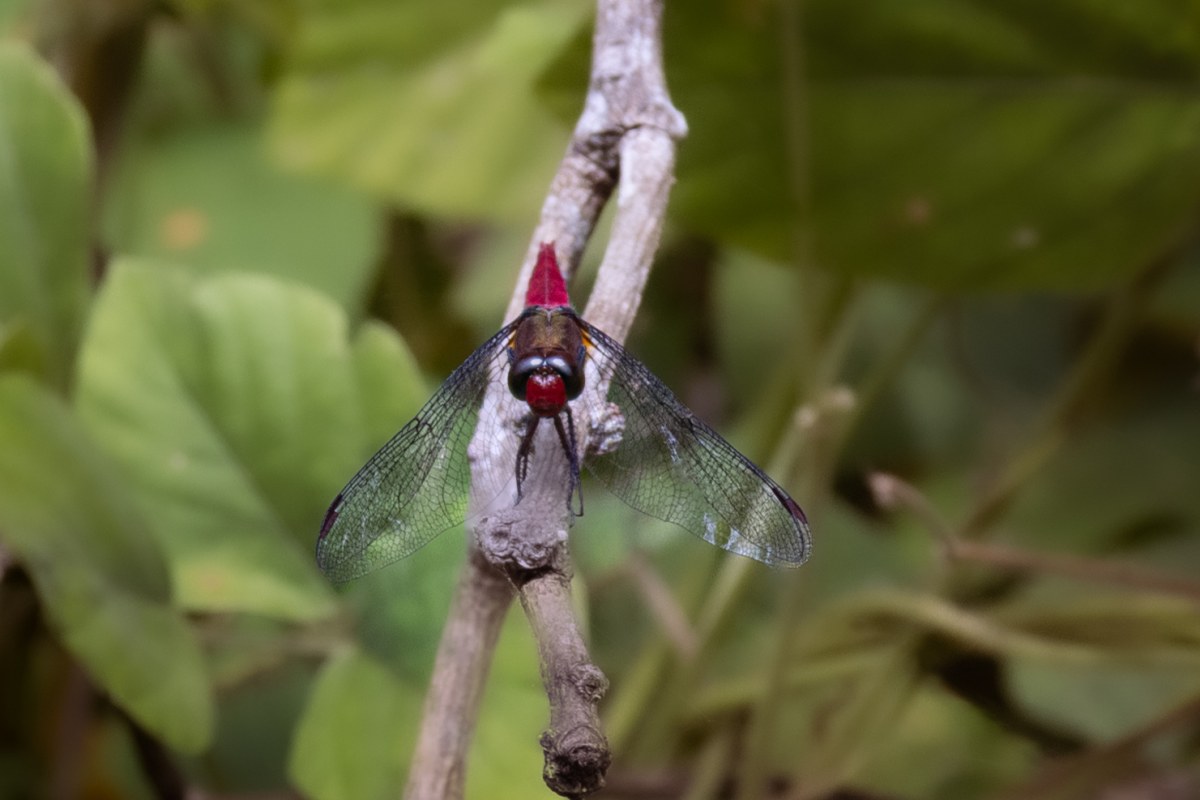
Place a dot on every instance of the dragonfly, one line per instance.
(648, 448)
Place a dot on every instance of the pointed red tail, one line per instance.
(546, 287)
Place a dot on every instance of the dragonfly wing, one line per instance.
(672, 466)
(416, 486)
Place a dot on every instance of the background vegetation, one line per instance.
(952, 241)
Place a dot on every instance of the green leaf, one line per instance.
(1140, 652)
(1153, 455)
(45, 195)
(1103, 701)
(72, 524)
(398, 612)
(391, 388)
(238, 406)
(937, 141)
(208, 197)
(14, 16)
(427, 103)
(257, 725)
(506, 759)
(960, 751)
(1033, 186)
(20, 350)
(357, 732)
(862, 712)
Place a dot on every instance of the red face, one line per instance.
(546, 357)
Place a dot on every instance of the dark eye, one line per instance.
(571, 374)
(518, 374)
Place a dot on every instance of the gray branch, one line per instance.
(626, 133)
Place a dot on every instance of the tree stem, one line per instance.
(627, 130)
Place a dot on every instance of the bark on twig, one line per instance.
(577, 754)
(627, 131)
(459, 674)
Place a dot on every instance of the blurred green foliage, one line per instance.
(949, 241)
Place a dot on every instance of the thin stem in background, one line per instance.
(1078, 772)
(892, 493)
(1086, 377)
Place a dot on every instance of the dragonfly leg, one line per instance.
(523, 452)
(567, 437)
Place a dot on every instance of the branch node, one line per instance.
(601, 155)
(576, 761)
(589, 682)
(518, 545)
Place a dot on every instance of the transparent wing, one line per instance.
(672, 466)
(416, 486)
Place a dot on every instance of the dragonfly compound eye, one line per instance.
(519, 372)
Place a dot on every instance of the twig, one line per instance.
(666, 610)
(1060, 775)
(628, 129)
(158, 766)
(460, 671)
(891, 492)
(1092, 570)
(577, 754)
(73, 723)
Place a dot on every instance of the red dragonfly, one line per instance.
(646, 446)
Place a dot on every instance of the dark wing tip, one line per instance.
(330, 517)
(804, 539)
(791, 506)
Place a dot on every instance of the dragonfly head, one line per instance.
(546, 383)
